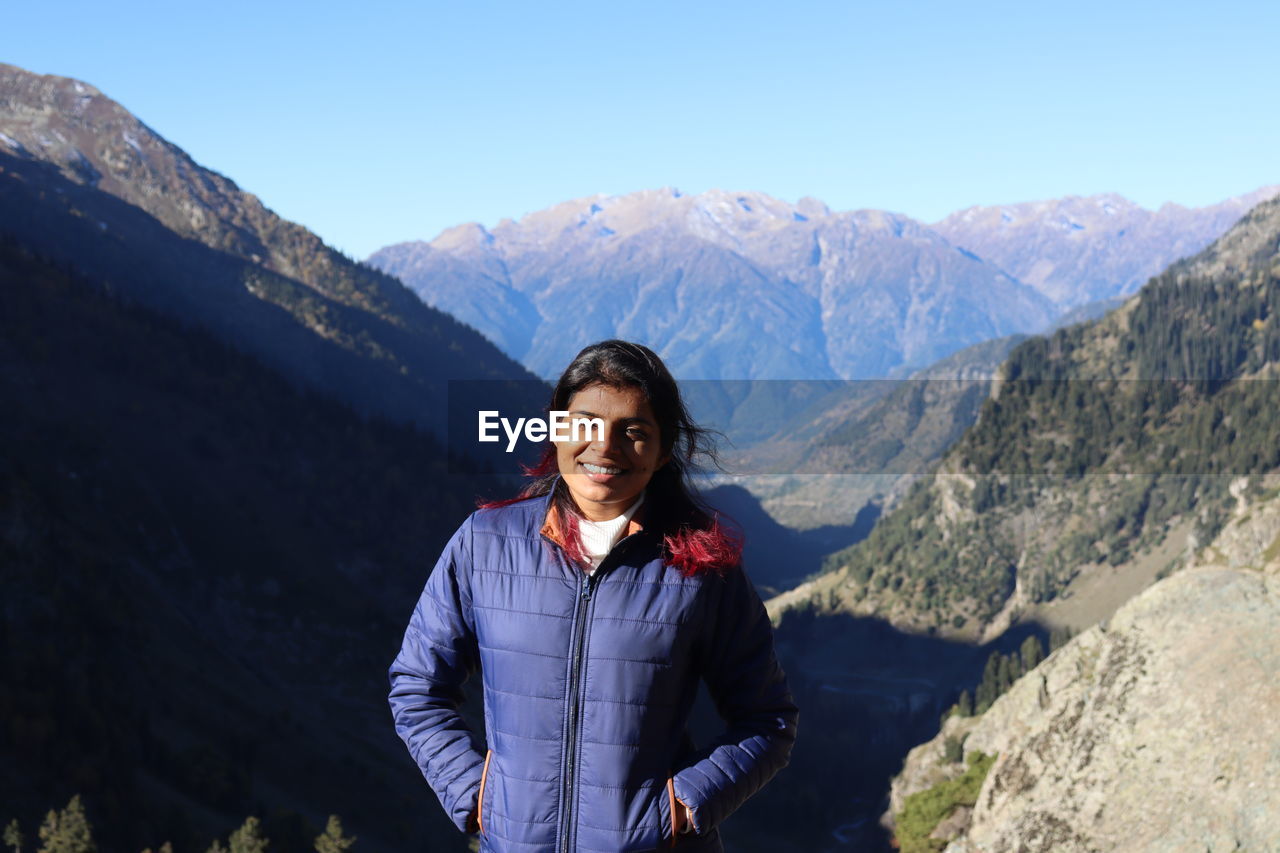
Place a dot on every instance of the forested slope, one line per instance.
(1099, 440)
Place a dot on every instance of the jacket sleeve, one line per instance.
(439, 653)
(751, 694)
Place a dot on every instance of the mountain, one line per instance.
(1106, 455)
(1154, 730)
(723, 285)
(850, 295)
(1078, 250)
(183, 239)
(1103, 454)
(225, 480)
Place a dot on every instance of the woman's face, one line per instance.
(606, 476)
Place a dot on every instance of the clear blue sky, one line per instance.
(376, 122)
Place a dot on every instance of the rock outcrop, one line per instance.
(1157, 730)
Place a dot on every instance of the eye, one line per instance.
(637, 434)
(582, 429)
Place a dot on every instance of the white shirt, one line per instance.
(599, 537)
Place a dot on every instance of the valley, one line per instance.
(234, 455)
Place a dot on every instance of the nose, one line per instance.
(609, 443)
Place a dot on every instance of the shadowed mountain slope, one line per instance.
(207, 574)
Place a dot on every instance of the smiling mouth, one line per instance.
(601, 469)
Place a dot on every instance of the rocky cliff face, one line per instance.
(1156, 730)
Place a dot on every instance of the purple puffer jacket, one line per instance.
(588, 684)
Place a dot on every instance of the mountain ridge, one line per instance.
(69, 146)
(855, 294)
(1039, 242)
(766, 289)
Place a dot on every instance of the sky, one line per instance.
(378, 122)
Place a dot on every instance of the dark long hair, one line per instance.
(695, 538)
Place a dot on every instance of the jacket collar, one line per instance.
(553, 524)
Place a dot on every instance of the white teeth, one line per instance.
(600, 469)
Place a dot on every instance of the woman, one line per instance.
(592, 605)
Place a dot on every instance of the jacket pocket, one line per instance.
(484, 777)
(672, 805)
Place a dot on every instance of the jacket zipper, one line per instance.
(571, 740)
(575, 672)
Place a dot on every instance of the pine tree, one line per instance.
(13, 836)
(988, 688)
(983, 698)
(1006, 675)
(964, 706)
(216, 847)
(1032, 653)
(67, 831)
(332, 840)
(248, 838)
